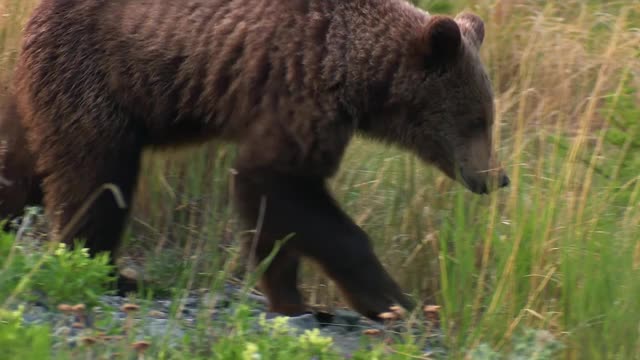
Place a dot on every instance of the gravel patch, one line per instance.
(168, 321)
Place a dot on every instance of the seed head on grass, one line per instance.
(431, 309)
(129, 308)
(389, 316)
(400, 311)
(78, 308)
(140, 347)
(372, 332)
(431, 312)
(88, 341)
(65, 308)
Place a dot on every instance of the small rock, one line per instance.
(334, 330)
(163, 329)
(347, 317)
(304, 322)
(157, 314)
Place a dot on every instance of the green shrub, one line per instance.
(13, 265)
(73, 276)
(436, 6)
(60, 276)
(22, 342)
(623, 112)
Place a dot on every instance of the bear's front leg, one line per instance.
(286, 204)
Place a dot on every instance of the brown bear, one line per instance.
(19, 185)
(289, 81)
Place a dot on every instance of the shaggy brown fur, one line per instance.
(290, 81)
(19, 185)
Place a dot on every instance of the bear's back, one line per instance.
(193, 64)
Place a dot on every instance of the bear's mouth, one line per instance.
(477, 187)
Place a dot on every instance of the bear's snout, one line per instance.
(504, 181)
(483, 183)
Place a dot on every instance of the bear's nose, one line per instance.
(504, 181)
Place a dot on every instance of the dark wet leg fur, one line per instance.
(323, 232)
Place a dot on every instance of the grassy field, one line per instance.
(559, 250)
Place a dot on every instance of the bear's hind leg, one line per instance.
(74, 172)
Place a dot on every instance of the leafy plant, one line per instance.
(268, 339)
(436, 6)
(73, 276)
(623, 111)
(22, 342)
(12, 264)
(529, 344)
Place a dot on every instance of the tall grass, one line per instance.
(559, 250)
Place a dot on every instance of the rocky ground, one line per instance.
(161, 319)
(166, 319)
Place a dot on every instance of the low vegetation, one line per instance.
(559, 251)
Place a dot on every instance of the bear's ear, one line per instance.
(441, 40)
(472, 27)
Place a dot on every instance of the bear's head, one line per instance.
(448, 107)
